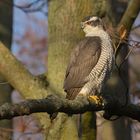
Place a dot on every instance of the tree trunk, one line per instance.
(64, 33)
(6, 12)
(6, 16)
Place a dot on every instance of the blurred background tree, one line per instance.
(28, 21)
(30, 47)
(6, 20)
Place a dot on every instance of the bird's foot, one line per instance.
(96, 99)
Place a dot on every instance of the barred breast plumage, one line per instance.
(90, 63)
(90, 66)
(101, 72)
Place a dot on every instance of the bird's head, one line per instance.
(92, 23)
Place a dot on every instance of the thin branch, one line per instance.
(34, 6)
(27, 5)
(130, 14)
(127, 21)
(55, 103)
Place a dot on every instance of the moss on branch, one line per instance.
(55, 103)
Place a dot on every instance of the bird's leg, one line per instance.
(97, 99)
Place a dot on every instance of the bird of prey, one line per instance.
(91, 61)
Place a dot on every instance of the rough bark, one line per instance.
(55, 103)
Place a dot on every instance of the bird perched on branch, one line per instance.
(91, 61)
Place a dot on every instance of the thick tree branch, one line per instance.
(54, 103)
(19, 77)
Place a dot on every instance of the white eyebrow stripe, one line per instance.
(93, 18)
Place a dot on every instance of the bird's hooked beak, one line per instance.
(82, 25)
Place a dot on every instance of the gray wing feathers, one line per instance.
(83, 59)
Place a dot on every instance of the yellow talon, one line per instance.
(96, 99)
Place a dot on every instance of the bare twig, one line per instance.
(130, 14)
(34, 6)
(127, 21)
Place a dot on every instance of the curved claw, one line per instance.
(97, 99)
